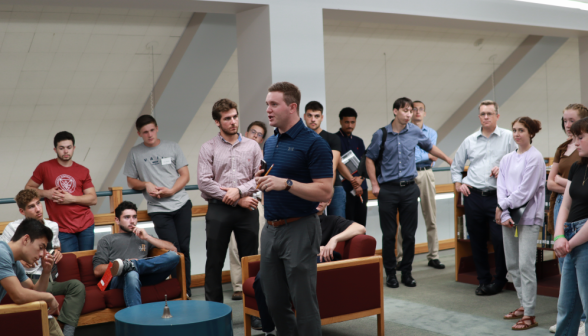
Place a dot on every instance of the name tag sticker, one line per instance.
(166, 161)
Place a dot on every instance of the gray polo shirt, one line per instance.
(158, 165)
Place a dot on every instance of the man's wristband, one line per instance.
(557, 237)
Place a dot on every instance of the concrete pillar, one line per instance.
(279, 42)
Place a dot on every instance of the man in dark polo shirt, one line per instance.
(313, 117)
(395, 186)
(355, 205)
(302, 176)
(334, 229)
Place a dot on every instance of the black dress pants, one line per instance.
(480, 213)
(395, 199)
(176, 227)
(355, 209)
(221, 221)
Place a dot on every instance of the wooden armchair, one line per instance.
(29, 319)
(359, 269)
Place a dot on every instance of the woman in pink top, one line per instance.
(521, 190)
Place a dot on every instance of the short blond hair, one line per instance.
(488, 103)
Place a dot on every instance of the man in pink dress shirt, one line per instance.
(226, 177)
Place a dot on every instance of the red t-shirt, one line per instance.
(71, 218)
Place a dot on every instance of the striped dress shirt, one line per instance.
(222, 164)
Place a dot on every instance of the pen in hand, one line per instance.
(269, 170)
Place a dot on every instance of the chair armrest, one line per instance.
(13, 310)
(245, 273)
(360, 246)
(82, 253)
(156, 251)
(334, 278)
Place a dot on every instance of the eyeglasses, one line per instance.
(487, 114)
(254, 133)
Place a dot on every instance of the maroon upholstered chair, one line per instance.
(347, 289)
(29, 318)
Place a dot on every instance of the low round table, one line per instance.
(189, 317)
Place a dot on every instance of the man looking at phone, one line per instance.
(29, 205)
(29, 244)
(226, 177)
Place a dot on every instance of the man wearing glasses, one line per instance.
(425, 180)
(391, 167)
(484, 149)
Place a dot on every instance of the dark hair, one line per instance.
(347, 112)
(420, 102)
(401, 102)
(579, 127)
(143, 120)
(291, 92)
(223, 105)
(124, 205)
(61, 136)
(314, 106)
(533, 126)
(34, 228)
(25, 197)
(259, 124)
(563, 126)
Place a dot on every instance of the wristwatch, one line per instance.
(288, 184)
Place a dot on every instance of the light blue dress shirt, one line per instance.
(483, 154)
(421, 157)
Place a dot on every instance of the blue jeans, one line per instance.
(80, 241)
(572, 290)
(147, 272)
(556, 208)
(337, 206)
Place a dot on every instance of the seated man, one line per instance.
(127, 250)
(335, 229)
(29, 205)
(29, 244)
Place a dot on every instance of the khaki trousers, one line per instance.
(425, 180)
(54, 329)
(234, 261)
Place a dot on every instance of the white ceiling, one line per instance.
(85, 70)
(441, 67)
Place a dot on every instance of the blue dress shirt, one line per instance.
(422, 157)
(398, 162)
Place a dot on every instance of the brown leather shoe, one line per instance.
(237, 296)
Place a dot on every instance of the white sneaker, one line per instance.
(582, 329)
(552, 329)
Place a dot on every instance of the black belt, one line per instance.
(423, 168)
(483, 193)
(215, 201)
(34, 276)
(400, 183)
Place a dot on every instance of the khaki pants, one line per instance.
(54, 329)
(425, 180)
(235, 261)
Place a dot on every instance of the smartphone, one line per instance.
(263, 165)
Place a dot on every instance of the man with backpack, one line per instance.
(390, 164)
